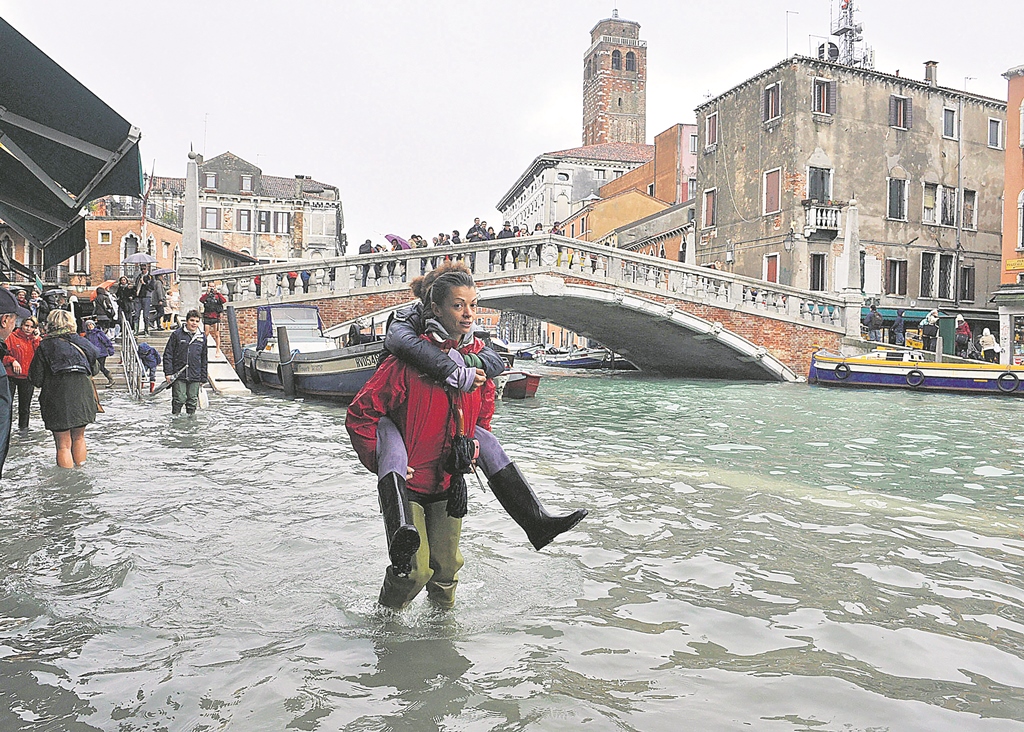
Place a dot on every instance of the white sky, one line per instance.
(425, 113)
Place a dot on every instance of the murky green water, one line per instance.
(767, 557)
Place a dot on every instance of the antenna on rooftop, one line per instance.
(852, 51)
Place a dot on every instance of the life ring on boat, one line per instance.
(915, 377)
(1007, 382)
(842, 371)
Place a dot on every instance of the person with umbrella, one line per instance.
(159, 300)
(143, 299)
(138, 304)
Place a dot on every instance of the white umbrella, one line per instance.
(139, 258)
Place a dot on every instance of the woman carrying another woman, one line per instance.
(63, 368)
(412, 431)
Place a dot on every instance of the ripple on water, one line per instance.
(222, 572)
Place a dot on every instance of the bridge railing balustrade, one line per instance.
(498, 258)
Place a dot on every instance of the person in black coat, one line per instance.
(62, 369)
(186, 352)
(125, 296)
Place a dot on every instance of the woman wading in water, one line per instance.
(420, 435)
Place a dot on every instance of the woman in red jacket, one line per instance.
(422, 534)
(21, 348)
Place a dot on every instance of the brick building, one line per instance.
(615, 83)
(782, 154)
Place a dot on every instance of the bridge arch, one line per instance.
(657, 337)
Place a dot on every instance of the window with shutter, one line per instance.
(772, 191)
(900, 112)
(772, 103)
(708, 221)
(930, 199)
(819, 184)
(897, 209)
(823, 96)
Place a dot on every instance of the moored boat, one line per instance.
(585, 358)
(910, 370)
(322, 366)
(520, 385)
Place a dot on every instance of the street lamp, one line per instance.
(788, 240)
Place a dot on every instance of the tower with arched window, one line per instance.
(614, 83)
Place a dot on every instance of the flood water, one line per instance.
(765, 557)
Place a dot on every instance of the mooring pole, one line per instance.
(236, 344)
(284, 357)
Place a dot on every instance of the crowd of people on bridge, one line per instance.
(480, 231)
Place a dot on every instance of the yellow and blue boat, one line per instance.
(910, 370)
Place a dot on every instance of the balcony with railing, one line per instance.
(824, 217)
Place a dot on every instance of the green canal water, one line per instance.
(765, 557)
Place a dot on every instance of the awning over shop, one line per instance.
(61, 146)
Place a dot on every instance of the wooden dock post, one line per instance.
(284, 357)
(236, 344)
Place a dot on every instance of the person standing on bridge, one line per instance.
(213, 306)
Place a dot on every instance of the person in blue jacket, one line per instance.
(103, 346)
(150, 359)
(186, 352)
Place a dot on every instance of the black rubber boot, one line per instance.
(403, 538)
(521, 503)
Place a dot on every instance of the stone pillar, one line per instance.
(853, 298)
(190, 264)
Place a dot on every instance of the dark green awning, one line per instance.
(61, 146)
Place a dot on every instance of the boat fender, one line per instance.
(842, 371)
(915, 377)
(1007, 382)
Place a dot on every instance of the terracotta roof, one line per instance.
(174, 185)
(278, 187)
(625, 152)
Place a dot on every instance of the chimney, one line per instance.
(298, 185)
(931, 72)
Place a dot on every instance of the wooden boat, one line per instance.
(519, 385)
(910, 370)
(322, 366)
(585, 358)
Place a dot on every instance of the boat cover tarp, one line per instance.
(293, 317)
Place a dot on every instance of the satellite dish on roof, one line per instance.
(828, 52)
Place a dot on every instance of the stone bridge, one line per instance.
(667, 317)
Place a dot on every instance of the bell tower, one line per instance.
(615, 83)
